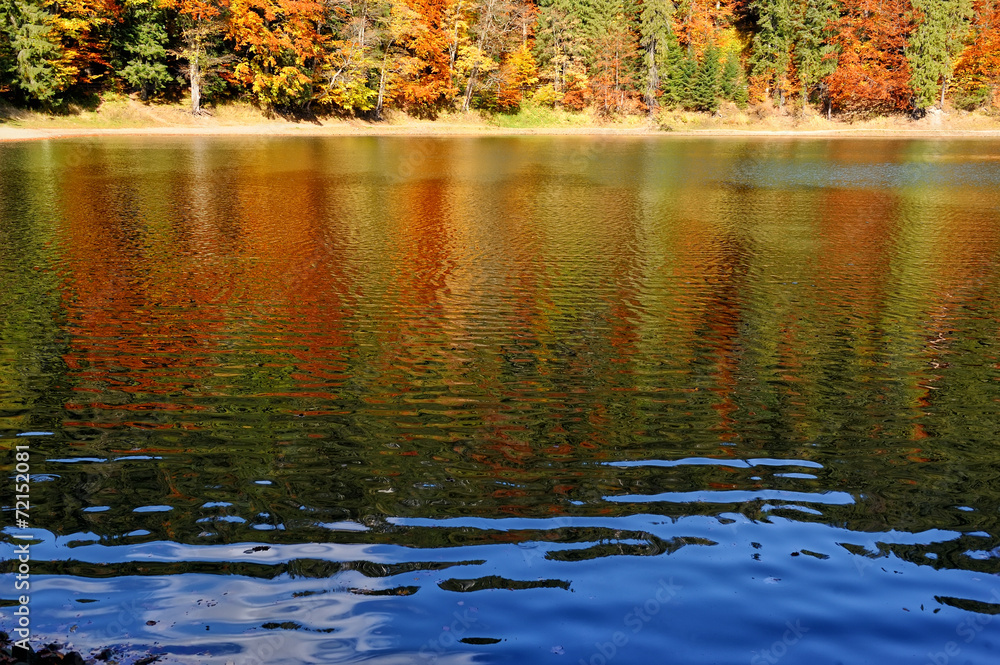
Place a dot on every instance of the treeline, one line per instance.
(851, 57)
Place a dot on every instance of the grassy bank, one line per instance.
(116, 114)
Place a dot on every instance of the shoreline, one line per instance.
(428, 129)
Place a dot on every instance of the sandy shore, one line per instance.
(350, 128)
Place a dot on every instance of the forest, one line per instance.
(849, 58)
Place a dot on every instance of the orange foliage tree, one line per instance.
(424, 82)
(872, 74)
(279, 50)
(518, 74)
(977, 72)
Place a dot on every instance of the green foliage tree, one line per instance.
(561, 44)
(732, 85)
(140, 43)
(708, 82)
(33, 50)
(654, 42)
(933, 45)
(815, 55)
(681, 70)
(772, 44)
(7, 54)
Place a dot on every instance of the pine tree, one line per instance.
(681, 70)
(561, 45)
(140, 45)
(772, 44)
(7, 53)
(612, 70)
(34, 51)
(706, 89)
(933, 45)
(654, 33)
(732, 85)
(671, 75)
(815, 55)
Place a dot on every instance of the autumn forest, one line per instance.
(849, 58)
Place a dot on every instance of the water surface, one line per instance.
(506, 400)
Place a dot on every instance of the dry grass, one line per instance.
(116, 112)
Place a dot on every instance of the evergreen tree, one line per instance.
(772, 44)
(140, 45)
(814, 52)
(613, 44)
(732, 85)
(561, 44)
(7, 54)
(654, 33)
(707, 84)
(33, 51)
(933, 45)
(680, 75)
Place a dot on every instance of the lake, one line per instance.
(504, 400)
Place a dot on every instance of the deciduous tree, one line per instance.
(278, 50)
(872, 74)
(495, 31)
(202, 24)
(425, 77)
(977, 71)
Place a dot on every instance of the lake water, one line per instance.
(524, 400)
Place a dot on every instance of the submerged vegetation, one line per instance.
(851, 58)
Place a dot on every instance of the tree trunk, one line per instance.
(654, 78)
(195, 72)
(453, 47)
(381, 86)
(468, 90)
(944, 87)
